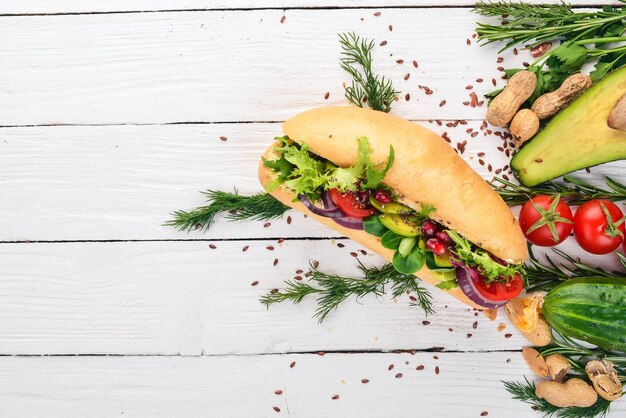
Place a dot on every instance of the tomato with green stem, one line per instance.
(546, 221)
(599, 226)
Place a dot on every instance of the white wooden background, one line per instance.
(111, 115)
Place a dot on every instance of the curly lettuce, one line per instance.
(481, 259)
(304, 173)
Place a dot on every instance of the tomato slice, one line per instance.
(350, 205)
(500, 291)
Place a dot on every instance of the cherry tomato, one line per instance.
(500, 291)
(351, 204)
(546, 221)
(593, 229)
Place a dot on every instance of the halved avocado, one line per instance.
(577, 137)
(399, 224)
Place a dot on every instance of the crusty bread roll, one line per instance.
(426, 170)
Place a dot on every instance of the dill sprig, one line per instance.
(260, 207)
(525, 391)
(366, 87)
(574, 190)
(545, 276)
(333, 289)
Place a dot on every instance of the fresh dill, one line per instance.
(574, 190)
(332, 289)
(261, 207)
(366, 87)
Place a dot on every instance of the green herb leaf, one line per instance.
(260, 206)
(410, 264)
(448, 284)
(366, 87)
(372, 225)
(391, 240)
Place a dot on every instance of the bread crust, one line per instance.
(372, 242)
(426, 170)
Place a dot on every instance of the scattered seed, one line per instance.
(466, 103)
(525, 64)
(297, 278)
(254, 283)
(365, 381)
(500, 68)
(277, 409)
(399, 375)
(244, 249)
(442, 103)
(508, 335)
(420, 367)
(212, 246)
(538, 160)
(481, 162)
(469, 87)
(407, 97)
(390, 28)
(340, 245)
(282, 19)
(437, 370)
(292, 365)
(399, 61)
(481, 154)
(326, 96)
(391, 366)
(335, 397)
(475, 324)
(407, 75)
(484, 414)
(267, 224)
(223, 138)
(383, 43)
(493, 81)
(489, 167)
(474, 99)
(479, 80)
(504, 176)
(587, 169)
(299, 271)
(414, 63)
(468, 42)
(377, 14)
(425, 322)
(270, 248)
(278, 392)
(436, 357)
(353, 254)
(363, 252)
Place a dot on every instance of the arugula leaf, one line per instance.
(481, 259)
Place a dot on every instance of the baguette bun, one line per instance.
(365, 239)
(426, 171)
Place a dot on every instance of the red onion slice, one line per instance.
(326, 212)
(464, 278)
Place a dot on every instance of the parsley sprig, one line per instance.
(583, 37)
(333, 289)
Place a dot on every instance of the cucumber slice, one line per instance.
(406, 245)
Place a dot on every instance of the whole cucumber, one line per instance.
(591, 309)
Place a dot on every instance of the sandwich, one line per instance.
(400, 190)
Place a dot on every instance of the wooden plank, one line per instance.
(94, 6)
(121, 182)
(184, 297)
(231, 65)
(245, 386)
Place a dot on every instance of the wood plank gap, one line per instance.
(174, 240)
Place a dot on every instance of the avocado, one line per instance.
(577, 137)
(401, 225)
(389, 207)
(442, 260)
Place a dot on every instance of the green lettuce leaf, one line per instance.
(479, 258)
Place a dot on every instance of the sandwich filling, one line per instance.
(357, 198)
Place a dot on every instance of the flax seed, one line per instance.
(406, 76)
(270, 248)
(437, 370)
(277, 409)
(399, 61)
(377, 14)
(223, 138)
(390, 28)
(407, 97)
(420, 367)
(212, 246)
(353, 254)
(468, 42)
(327, 95)
(479, 80)
(442, 103)
(267, 224)
(278, 392)
(414, 63)
(365, 381)
(383, 43)
(292, 365)
(335, 397)
(426, 322)
(282, 19)
(288, 220)
(275, 261)
(340, 245)
(398, 376)
(244, 249)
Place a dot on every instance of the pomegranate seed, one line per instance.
(436, 246)
(363, 197)
(429, 228)
(444, 237)
(382, 196)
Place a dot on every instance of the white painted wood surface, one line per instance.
(136, 319)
